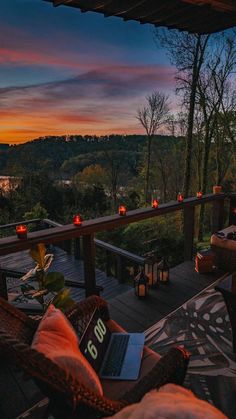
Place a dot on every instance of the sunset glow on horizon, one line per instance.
(64, 73)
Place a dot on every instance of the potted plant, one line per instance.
(45, 287)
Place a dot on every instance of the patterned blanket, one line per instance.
(202, 326)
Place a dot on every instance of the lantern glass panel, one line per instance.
(141, 285)
(151, 271)
(164, 272)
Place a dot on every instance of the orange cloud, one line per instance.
(100, 102)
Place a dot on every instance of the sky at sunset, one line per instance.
(64, 72)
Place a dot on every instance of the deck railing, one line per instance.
(61, 233)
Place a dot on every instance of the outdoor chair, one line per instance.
(68, 397)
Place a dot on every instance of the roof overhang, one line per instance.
(199, 16)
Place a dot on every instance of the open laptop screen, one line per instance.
(94, 342)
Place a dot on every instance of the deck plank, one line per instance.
(185, 282)
(73, 269)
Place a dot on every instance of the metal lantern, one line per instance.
(163, 271)
(151, 270)
(141, 285)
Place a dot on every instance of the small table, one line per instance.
(227, 287)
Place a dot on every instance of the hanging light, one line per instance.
(163, 271)
(141, 285)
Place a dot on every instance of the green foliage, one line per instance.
(54, 281)
(36, 212)
(46, 287)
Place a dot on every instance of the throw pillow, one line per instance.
(57, 340)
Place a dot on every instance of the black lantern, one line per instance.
(141, 284)
(163, 271)
(151, 270)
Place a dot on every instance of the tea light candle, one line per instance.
(155, 203)
(21, 231)
(180, 197)
(217, 189)
(122, 210)
(199, 194)
(77, 220)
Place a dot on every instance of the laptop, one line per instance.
(115, 356)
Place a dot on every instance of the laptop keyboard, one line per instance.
(115, 358)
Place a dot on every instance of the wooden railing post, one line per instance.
(232, 210)
(108, 263)
(119, 268)
(77, 249)
(217, 215)
(89, 264)
(189, 213)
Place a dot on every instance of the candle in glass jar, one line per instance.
(142, 290)
(122, 210)
(155, 203)
(77, 220)
(180, 197)
(21, 231)
(199, 194)
(217, 189)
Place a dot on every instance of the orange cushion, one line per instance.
(57, 340)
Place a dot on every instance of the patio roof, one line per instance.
(200, 16)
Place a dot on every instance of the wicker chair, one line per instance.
(69, 398)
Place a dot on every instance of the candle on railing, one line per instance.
(21, 231)
(199, 194)
(180, 197)
(122, 210)
(217, 189)
(77, 220)
(155, 203)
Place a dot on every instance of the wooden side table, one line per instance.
(227, 287)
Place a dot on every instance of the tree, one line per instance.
(36, 212)
(152, 116)
(92, 175)
(187, 53)
(213, 94)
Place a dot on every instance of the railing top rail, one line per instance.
(51, 223)
(120, 252)
(26, 222)
(13, 244)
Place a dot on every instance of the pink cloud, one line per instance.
(96, 102)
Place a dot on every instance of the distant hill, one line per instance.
(64, 155)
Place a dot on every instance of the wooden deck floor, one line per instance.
(17, 395)
(138, 315)
(73, 269)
